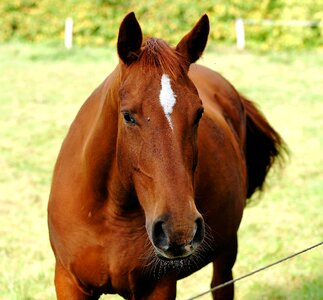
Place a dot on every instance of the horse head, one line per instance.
(159, 114)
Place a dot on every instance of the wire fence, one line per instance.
(256, 271)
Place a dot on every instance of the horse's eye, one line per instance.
(129, 119)
(198, 116)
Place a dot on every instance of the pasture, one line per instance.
(41, 90)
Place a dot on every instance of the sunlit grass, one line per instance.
(41, 90)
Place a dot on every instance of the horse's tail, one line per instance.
(264, 146)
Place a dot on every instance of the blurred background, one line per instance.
(54, 53)
(95, 22)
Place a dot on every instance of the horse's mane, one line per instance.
(156, 54)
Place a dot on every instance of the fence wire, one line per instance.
(220, 286)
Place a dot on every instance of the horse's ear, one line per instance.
(192, 44)
(129, 39)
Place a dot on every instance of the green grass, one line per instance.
(41, 90)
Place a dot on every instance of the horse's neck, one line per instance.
(107, 192)
(97, 124)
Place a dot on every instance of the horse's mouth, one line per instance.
(173, 258)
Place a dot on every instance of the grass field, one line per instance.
(41, 89)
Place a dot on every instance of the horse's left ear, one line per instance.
(129, 39)
(192, 44)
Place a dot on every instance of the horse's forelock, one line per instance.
(157, 55)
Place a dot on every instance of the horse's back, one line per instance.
(209, 81)
(221, 173)
(254, 144)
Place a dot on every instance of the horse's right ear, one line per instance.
(192, 44)
(129, 39)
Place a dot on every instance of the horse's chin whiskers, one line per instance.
(157, 267)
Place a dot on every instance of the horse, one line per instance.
(153, 176)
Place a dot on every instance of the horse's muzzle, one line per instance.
(176, 244)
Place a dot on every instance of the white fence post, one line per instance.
(240, 34)
(68, 33)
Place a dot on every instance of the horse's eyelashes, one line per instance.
(128, 118)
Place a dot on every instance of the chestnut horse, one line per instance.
(153, 176)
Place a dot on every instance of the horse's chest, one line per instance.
(110, 264)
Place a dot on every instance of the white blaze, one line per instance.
(167, 98)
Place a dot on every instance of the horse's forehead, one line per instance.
(156, 89)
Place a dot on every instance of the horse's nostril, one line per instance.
(199, 234)
(172, 244)
(159, 235)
